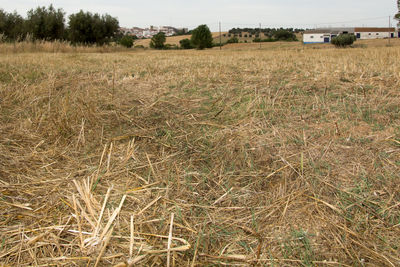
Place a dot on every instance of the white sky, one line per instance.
(231, 13)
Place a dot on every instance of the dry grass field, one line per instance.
(239, 157)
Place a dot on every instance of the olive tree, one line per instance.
(201, 37)
(343, 40)
(46, 23)
(158, 41)
(88, 28)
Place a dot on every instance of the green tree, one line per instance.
(343, 40)
(12, 26)
(158, 41)
(46, 23)
(185, 44)
(88, 28)
(201, 37)
(126, 41)
(3, 16)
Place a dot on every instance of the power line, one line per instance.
(274, 25)
(350, 21)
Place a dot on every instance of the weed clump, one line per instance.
(343, 40)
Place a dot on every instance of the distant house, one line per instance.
(325, 35)
(375, 33)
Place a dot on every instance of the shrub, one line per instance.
(185, 44)
(285, 35)
(343, 40)
(201, 37)
(233, 40)
(158, 41)
(126, 41)
(268, 40)
(218, 44)
(171, 47)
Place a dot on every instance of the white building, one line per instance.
(376, 33)
(325, 35)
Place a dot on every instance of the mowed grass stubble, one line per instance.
(269, 157)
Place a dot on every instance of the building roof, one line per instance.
(371, 29)
(330, 30)
(350, 30)
(318, 31)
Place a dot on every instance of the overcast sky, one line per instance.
(231, 13)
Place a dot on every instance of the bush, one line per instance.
(343, 40)
(268, 40)
(186, 44)
(201, 37)
(158, 41)
(126, 41)
(171, 47)
(233, 40)
(285, 35)
(218, 44)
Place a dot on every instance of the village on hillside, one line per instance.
(151, 31)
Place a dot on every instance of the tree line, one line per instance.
(48, 23)
(271, 34)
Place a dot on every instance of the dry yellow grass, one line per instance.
(56, 47)
(284, 157)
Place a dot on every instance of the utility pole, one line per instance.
(220, 37)
(259, 35)
(390, 34)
